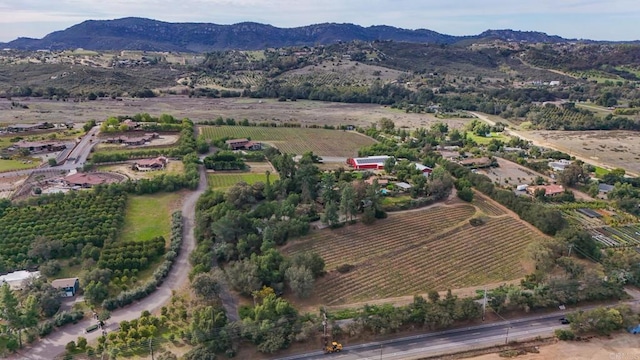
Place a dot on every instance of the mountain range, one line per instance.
(152, 35)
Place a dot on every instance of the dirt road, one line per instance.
(546, 144)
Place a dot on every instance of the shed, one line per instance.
(604, 188)
(67, 286)
(403, 186)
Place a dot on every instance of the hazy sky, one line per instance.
(592, 19)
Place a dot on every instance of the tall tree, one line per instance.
(330, 215)
(9, 310)
(327, 184)
(348, 206)
(300, 280)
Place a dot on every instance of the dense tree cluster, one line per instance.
(58, 226)
(127, 297)
(224, 160)
(120, 255)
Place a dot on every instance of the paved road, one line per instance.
(77, 157)
(444, 342)
(53, 345)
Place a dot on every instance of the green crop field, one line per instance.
(482, 140)
(148, 216)
(297, 141)
(227, 180)
(10, 165)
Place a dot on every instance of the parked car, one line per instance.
(564, 321)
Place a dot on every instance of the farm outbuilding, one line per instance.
(68, 287)
(370, 162)
(17, 279)
(425, 170)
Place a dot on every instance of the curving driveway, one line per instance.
(53, 345)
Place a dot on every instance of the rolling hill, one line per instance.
(152, 35)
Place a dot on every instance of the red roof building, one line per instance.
(85, 180)
(369, 162)
(158, 163)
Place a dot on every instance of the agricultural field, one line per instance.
(487, 206)
(149, 216)
(436, 249)
(335, 143)
(200, 109)
(222, 180)
(484, 140)
(10, 165)
(29, 234)
(619, 236)
(608, 227)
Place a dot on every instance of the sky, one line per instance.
(581, 19)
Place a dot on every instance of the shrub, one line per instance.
(45, 328)
(345, 268)
(82, 343)
(71, 346)
(565, 335)
(476, 221)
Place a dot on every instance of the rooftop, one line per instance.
(18, 276)
(84, 178)
(233, 141)
(64, 283)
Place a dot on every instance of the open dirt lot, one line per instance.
(9, 184)
(610, 148)
(302, 111)
(619, 347)
(509, 173)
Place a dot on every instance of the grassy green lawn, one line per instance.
(600, 110)
(227, 180)
(148, 216)
(600, 172)
(10, 165)
(394, 200)
(481, 140)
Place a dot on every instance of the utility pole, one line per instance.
(484, 303)
(325, 336)
(151, 348)
(570, 248)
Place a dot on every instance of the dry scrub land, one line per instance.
(335, 143)
(302, 111)
(619, 347)
(417, 251)
(614, 148)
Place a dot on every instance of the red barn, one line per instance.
(370, 162)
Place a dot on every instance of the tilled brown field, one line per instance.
(415, 252)
(199, 109)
